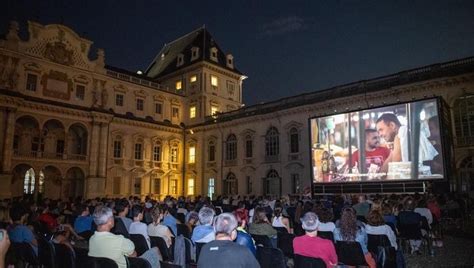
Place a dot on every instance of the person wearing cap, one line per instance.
(310, 245)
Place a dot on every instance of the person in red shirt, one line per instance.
(310, 245)
(374, 153)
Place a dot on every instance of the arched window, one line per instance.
(248, 146)
(231, 147)
(272, 183)
(157, 151)
(230, 184)
(294, 141)
(211, 151)
(29, 182)
(272, 140)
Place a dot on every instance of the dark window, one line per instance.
(272, 140)
(119, 100)
(80, 92)
(175, 112)
(31, 81)
(117, 149)
(140, 104)
(59, 146)
(156, 185)
(157, 153)
(212, 152)
(294, 137)
(158, 107)
(248, 147)
(138, 151)
(231, 148)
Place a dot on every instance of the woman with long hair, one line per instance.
(156, 228)
(348, 230)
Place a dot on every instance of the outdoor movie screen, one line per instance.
(397, 142)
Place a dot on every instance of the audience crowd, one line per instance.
(232, 231)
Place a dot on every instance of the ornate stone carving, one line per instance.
(8, 72)
(57, 85)
(59, 53)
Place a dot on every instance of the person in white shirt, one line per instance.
(157, 229)
(424, 211)
(376, 226)
(280, 221)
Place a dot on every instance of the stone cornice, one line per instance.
(131, 122)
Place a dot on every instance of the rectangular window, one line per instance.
(137, 186)
(212, 153)
(174, 186)
(179, 85)
(156, 185)
(119, 100)
(117, 149)
(294, 146)
(193, 79)
(116, 189)
(138, 151)
(210, 189)
(174, 154)
(230, 87)
(158, 108)
(192, 112)
(175, 112)
(80, 92)
(192, 155)
(16, 139)
(249, 185)
(214, 81)
(157, 153)
(214, 110)
(191, 186)
(31, 81)
(248, 148)
(295, 179)
(140, 104)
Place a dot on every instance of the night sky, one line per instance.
(284, 47)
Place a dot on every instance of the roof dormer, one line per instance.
(180, 60)
(194, 53)
(213, 54)
(230, 61)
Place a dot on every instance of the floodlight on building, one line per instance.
(139, 72)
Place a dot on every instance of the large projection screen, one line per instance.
(391, 143)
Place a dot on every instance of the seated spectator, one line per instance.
(348, 230)
(47, 218)
(261, 225)
(122, 209)
(325, 218)
(408, 217)
(192, 219)
(223, 252)
(376, 226)
(83, 222)
(279, 220)
(388, 215)
(18, 231)
(5, 219)
(204, 232)
(310, 245)
(422, 209)
(362, 207)
(243, 238)
(4, 245)
(138, 227)
(157, 229)
(116, 247)
(169, 220)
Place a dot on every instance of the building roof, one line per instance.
(438, 70)
(165, 61)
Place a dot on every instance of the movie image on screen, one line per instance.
(397, 142)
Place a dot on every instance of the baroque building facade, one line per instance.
(73, 126)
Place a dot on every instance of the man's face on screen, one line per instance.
(373, 140)
(387, 131)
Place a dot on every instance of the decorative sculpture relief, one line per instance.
(8, 72)
(58, 53)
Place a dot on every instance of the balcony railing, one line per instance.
(49, 155)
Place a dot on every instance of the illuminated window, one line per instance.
(174, 186)
(214, 110)
(31, 81)
(29, 182)
(191, 186)
(192, 155)
(214, 81)
(140, 104)
(193, 79)
(192, 112)
(210, 189)
(174, 154)
(179, 85)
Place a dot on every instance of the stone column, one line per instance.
(94, 148)
(8, 142)
(104, 133)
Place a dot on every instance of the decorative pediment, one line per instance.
(120, 88)
(291, 124)
(140, 93)
(158, 97)
(247, 132)
(81, 79)
(175, 101)
(32, 67)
